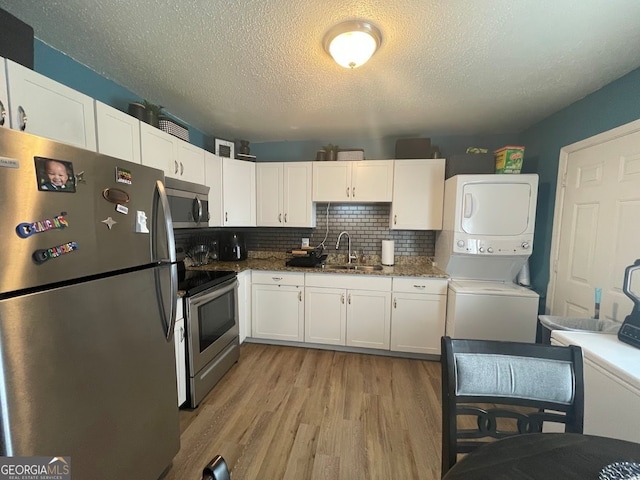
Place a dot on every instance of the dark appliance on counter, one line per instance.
(211, 322)
(189, 203)
(88, 291)
(233, 247)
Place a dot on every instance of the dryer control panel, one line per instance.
(492, 246)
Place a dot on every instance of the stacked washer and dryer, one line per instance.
(485, 243)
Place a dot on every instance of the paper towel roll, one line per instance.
(387, 252)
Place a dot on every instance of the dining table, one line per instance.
(547, 456)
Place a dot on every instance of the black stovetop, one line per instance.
(196, 281)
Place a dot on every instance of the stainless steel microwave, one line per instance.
(188, 202)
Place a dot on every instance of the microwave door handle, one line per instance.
(197, 210)
(160, 201)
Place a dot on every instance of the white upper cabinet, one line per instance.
(44, 107)
(418, 194)
(189, 165)
(118, 134)
(232, 191)
(159, 149)
(5, 118)
(355, 182)
(177, 158)
(283, 195)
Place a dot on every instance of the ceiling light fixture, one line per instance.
(352, 43)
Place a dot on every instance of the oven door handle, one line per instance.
(160, 201)
(213, 292)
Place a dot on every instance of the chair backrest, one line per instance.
(496, 381)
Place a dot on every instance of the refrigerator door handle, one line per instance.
(161, 200)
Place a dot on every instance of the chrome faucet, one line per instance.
(350, 256)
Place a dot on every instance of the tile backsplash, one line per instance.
(367, 224)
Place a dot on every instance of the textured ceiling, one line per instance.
(256, 69)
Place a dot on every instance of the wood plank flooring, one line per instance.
(298, 413)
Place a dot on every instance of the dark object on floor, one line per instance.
(511, 375)
(216, 470)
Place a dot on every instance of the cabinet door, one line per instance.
(417, 322)
(372, 181)
(368, 319)
(179, 339)
(298, 207)
(44, 107)
(277, 312)
(118, 134)
(190, 163)
(238, 193)
(159, 149)
(331, 181)
(418, 194)
(325, 317)
(269, 195)
(244, 304)
(5, 118)
(213, 180)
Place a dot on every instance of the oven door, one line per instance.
(212, 323)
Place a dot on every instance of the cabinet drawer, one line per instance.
(277, 278)
(360, 282)
(436, 286)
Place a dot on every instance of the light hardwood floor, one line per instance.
(298, 413)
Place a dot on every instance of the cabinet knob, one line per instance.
(395, 219)
(226, 216)
(181, 168)
(279, 218)
(285, 218)
(353, 192)
(3, 114)
(349, 299)
(175, 166)
(342, 298)
(300, 296)
(276, 279)
(22, 118)
(347, 192)
(420, 286)
(395, 302)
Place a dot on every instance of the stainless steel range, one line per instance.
(211, 319)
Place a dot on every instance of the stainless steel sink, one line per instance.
(362, 268)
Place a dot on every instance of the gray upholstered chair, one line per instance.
(500, 384)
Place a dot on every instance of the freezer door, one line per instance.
(87, 372)
(98, 222)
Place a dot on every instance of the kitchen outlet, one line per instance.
(305, 242)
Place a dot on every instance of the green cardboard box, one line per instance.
(509, 159)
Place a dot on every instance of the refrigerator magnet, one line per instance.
(54, 175)
(25, 230)
(42, 255)
(122, 209)
(123, 175)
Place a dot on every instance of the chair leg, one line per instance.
(216, 470)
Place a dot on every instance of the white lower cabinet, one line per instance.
(181, 354)
(348, 310)
(244, 304)
(418, 314)
(325, 317)
(277, 306)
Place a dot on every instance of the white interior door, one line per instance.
(598, 232)
(496, 208)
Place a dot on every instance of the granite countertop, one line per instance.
(404, 267)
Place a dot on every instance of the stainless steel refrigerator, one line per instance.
(87, 305)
